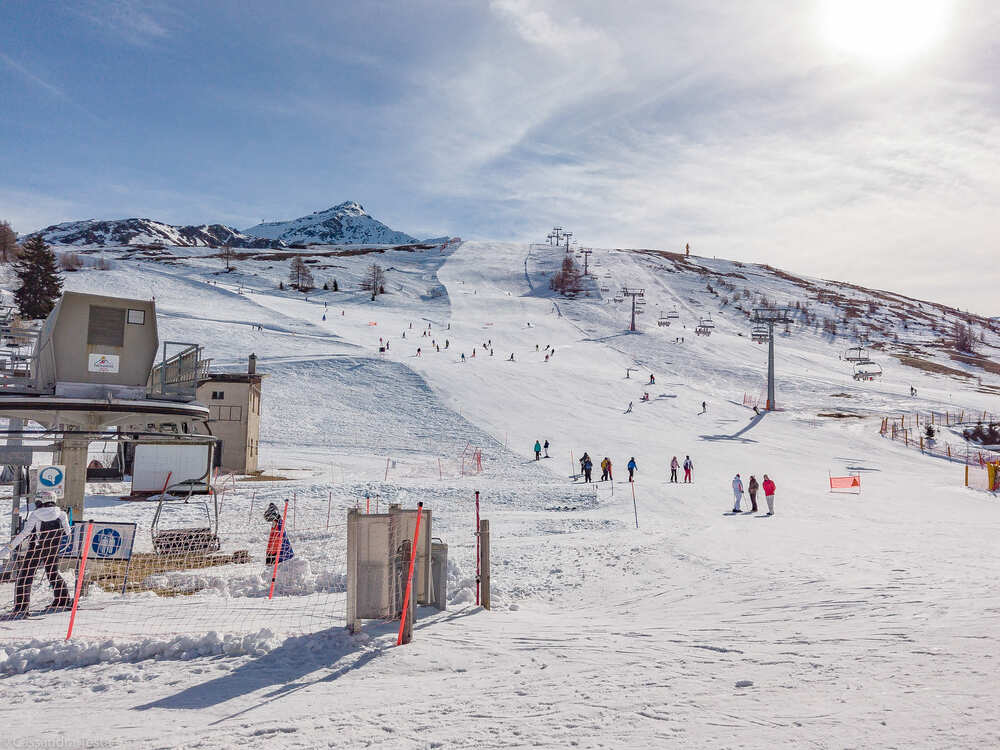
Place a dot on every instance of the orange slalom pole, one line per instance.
(79, 577)
(277, 557)
(409, 575)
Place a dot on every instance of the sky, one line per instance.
(845, 139)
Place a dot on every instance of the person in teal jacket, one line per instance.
(538, 450)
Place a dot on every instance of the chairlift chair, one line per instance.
(856, 354)
(867, 370)
(197, 539)
(705, 326)
(673, 314)
(759, 334)
(663, 321)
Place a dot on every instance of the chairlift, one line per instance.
(705, 326)
(663, 321)
(759, 334)
(867, 370)
(197, 539)
(673, 314)
(857, 354)
(605, 289)
(619, 299)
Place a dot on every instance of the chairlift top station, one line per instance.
(91, 368)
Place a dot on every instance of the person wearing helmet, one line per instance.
(43, 530)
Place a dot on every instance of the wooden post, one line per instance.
(484, 562)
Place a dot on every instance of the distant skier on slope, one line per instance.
(629, 409)
(688, 468)
(752, 488)
(768, 487)
(588, 466)
(538, 450)
(546, 446)
(737, 493)
(674, 466)
(632, 467)
(605, 463)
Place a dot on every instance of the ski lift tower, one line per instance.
(769, 316)
(566, 236)
(633, 293)
(557, 234)
(586, 257)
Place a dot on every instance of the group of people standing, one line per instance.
(587, 467)
(688, 468)
(752, 489)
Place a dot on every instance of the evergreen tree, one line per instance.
(8, 243)
(41, 284)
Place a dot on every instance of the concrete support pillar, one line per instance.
(73, 454)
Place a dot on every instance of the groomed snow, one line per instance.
(842, 621)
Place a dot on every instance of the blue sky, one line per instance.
(756, 130)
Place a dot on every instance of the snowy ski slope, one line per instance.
(858, 621)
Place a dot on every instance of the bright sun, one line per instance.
(885, 32)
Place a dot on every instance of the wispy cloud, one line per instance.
(33, 78)
(136, 22)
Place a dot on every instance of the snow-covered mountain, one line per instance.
(344, 224)
(147, 231)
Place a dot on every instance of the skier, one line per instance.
(768, 486)
(463, 355)
(546, 446)
(538, 449)
(652, 380)
(752, 488)
(629, 409)
(546, 357)
(688, 467)
(511, 357)
(674, 465)
(273, 516)
(632, 467)
(45, 526)
(446, 342)
(418, 351)
(737, 493)
(605, 463)
(704, 407)
(588, 466)
(610, 476)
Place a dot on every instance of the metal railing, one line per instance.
(176, 376)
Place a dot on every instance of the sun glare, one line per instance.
(885, 32)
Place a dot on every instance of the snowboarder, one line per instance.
(588, 466)
(752, 488)
(737, 493)
(546, 446)
(632, 467)
(46, 525)
(538, 449)
(674, 466)
(768, 487)
(688, 468)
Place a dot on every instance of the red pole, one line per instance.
(368, 504)
(409, 575)
(478, 571)
(166, 482)
(79, 577)
(277, 557)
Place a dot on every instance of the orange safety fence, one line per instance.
(846, 484)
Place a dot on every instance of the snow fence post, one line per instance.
(277, 557)
(79, 578)
(483, 562)
(407, 615)
(635, 508)
(478, 559)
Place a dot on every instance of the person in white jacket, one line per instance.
(737, 493)
(43, 530)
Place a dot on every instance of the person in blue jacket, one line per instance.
(632, 467)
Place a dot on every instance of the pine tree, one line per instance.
(41, 284)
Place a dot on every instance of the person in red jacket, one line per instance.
(768, 486)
